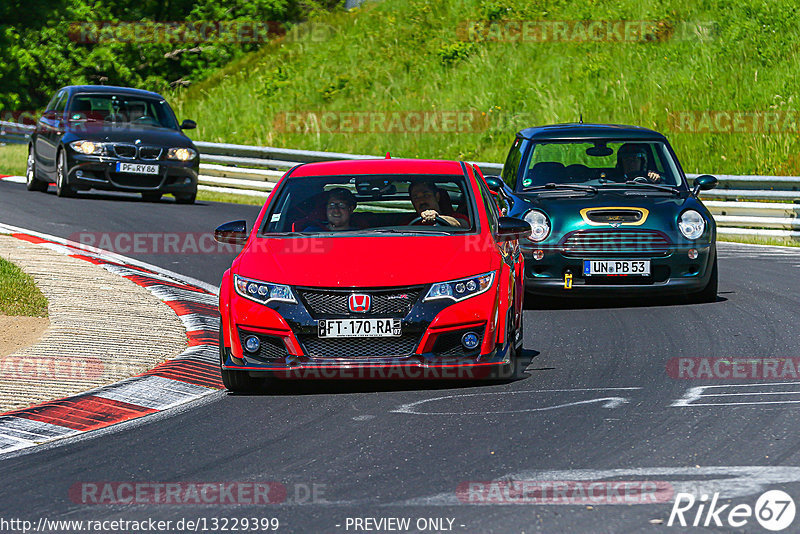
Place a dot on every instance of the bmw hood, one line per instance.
(146, 135)
(384, 261)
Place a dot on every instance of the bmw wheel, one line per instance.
(63, 188)
(186, 199)
(31, 182)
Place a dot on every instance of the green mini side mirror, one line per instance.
(704, 183)
(494, 183)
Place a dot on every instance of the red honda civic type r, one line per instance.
(373, 269)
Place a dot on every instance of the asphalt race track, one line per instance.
(597, 403)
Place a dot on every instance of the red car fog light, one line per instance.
(252, 344)
(470, 340)
(692, 253)
(538, 254)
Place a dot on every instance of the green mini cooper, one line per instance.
(611, 213)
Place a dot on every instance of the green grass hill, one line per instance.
(718, 78)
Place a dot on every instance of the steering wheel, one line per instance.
(641, 180)
(146, 119)
(439, 221)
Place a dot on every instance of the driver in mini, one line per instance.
(632, 163)
(425, 197)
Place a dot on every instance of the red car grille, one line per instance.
(616, 243)
(345, 348)
(395, 302)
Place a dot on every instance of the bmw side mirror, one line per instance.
(188, 124)
(704, 183)
(494, 183)
(233, 233)
(510, 228)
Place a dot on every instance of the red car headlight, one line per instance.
(463, 288)
(262, 292)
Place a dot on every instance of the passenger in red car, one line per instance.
(426, 198)
(339, 207)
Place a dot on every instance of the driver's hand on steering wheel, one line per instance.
(429, 215)
(653, 177)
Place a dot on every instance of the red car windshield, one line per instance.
(371, 203)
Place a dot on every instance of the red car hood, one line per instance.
(364, 261)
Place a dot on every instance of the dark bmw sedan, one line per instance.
(113, 139)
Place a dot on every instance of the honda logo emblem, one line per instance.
(359, 303)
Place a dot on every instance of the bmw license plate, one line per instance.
(359, 328)
(136, 168)
(616, 267)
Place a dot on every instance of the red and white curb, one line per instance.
(187, 377)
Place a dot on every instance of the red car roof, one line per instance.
(379, 166)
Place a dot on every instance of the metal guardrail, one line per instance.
(14, 133)
(731, 203)
(254, 170)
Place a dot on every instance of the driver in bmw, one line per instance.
(425, 197)
(632, 163)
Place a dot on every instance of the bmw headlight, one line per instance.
(181, 154)
(691, 224)
(540, 225)
(262, 292)
(460, 289)
(88, 148)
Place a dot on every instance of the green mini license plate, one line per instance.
(616, 267)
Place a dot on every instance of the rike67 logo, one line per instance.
(774, 510)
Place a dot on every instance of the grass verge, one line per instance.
(754, 240)
(212, 196)
(13, 159)
(19, 294)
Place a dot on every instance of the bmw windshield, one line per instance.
(589, 164)
(113, 109)
(371, 204)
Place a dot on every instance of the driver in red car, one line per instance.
(632, 163)
(426, 198)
